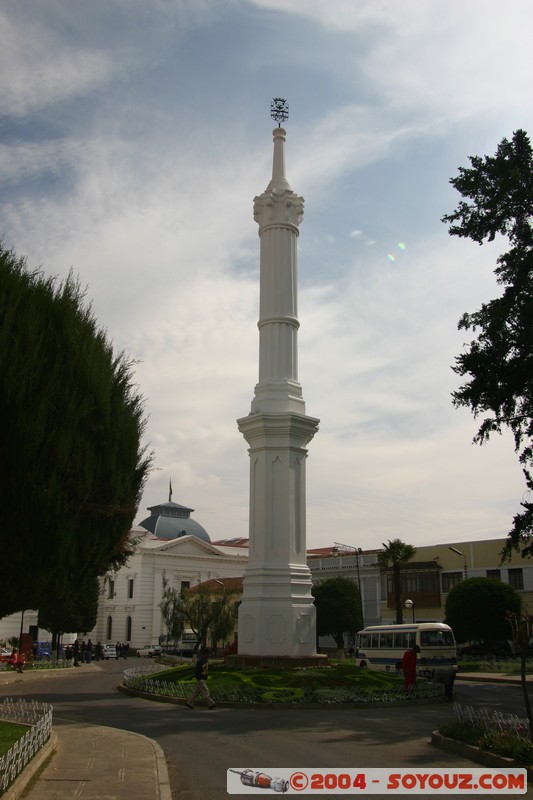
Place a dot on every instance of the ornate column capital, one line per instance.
(285, 209)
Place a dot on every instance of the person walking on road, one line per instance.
(200, 673)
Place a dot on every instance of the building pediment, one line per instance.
(187, 546)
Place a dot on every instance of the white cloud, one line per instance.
(137, 139)
(444, 60)
(39, 68)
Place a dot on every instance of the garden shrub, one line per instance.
(292, 695)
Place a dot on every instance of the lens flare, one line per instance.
(401, 246)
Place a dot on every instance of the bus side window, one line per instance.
(412, 638)
(386, 640)
(375, 641)
(401, 641)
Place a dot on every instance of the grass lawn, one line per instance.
(10, 732)
(332, 677)
(337, 683)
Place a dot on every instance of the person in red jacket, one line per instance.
(12, 661)
(17, 660)
(409, 666)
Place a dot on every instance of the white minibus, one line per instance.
(381, 647)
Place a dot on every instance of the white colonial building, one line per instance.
(170, 546)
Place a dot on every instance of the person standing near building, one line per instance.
(409, 667)
(76, 653)
(200, 673)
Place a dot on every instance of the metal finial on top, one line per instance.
(279, 110)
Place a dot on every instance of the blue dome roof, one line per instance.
(171, 521)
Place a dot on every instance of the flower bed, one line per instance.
(271, 686)
(492, 731)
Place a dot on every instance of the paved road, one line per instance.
(200, 745)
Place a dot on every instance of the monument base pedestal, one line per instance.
(237, 661)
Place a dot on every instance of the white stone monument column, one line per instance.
(277, 615)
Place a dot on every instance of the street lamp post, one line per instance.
(455, 550)
(357, 551)
(411, 605)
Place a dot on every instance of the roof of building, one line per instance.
(171, 521)
(336, 552)
(236, 541)
(215, 584)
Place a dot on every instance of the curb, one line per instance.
(18, 787)
(161, 767)
(476, 677)
(7, 678)
(476, 754)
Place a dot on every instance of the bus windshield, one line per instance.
(436, 639)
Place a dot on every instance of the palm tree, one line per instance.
(396, 553)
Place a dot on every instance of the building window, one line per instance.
(415, 581)
(451, 579)
(184, 585)
(516, 578)
(128, 629)
(109, 628)
(420, 582)
(130, 588)
(110, 589)
(495, 574)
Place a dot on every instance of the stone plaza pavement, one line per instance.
(91, 762)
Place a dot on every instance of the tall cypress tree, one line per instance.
(72, 466)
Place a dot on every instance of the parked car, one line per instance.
(5, 655)
(42, 650)
(110, 651)
(150, 650)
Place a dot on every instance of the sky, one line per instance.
(134, 135)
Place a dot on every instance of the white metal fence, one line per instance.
(490, 719)
(38, 717)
